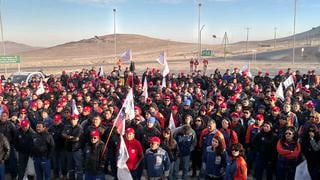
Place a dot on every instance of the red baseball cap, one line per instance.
(59, 105)
(46, 102)
(95, 133)
(24, 123)
(276, 109)
(74, 116)
(87, 109)
(223, 105)
(34, 104)
(57, 118)
(23, 111)
(235, 114)
(155, 140)
(174, 108)
(130, 130)
(260, 117)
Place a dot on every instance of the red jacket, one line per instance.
(217, 133)
(135, 152)
(286, 153)
(250, 130)
(241, 172)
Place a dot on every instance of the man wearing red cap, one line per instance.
(135, 152)
(22, 140)
(157, 161)
(94, 159)
(34, 115)
(252, 131)
(58, 159)
(71, 134)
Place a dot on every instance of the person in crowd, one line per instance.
(214, 160)
(310, 148)
(157, 161)
(236, 166)
(4, 154)
(198, 127)
(23, 139)
(264, 144)
(72, 134)
(135, 151)
(94, 159)
(42, 148)
(288, 149)
(230, 136)
(58, 158)
(169, 144)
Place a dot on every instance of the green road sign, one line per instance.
(206, 52)
(9, 59)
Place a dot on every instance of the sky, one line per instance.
(51, 22)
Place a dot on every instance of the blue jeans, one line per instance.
(11, 164)
(2, 172)
(74, 162)
(262, 164)
(185, 161)
(89, 176)
(42, 166)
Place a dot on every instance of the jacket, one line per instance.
(252, 131)
(135, 153)
(4, 148)
(8, 129)
(42, 145)
(157, 162)
(56, 132)
(236, 169)
(214, 164)
(288, 152)
(206, 138)
(23, 140)
(73, 144)
(93, 158)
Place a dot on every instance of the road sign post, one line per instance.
(10, 60)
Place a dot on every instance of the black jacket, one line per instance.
(72, 144)
(4, 148)
(42, 145)
(8, 129)
(94, 159)
(56, 132)
(22, 140)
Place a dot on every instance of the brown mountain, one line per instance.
(13, 48)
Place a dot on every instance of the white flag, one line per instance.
(126, 56)
(302, 171)
(172, 125)
(100, 73)
(166, 69)
(279, 92)
(40, 89)
(246, 68)
(145, 88)
(162, 58)
(129, 105)
(74, 107)
(288, 82)
(123, 171)
(163, 84)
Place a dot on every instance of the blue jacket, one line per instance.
(214, 164)
(156, 163)
(185, 143)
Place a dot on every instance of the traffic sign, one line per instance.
(206, 52)
(9, 59)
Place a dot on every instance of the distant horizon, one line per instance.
(47, 23)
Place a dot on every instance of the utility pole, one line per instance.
(225, 42)
(275, 38)
(2, 38)
(294, 31)
(199, 33)
(114, 34)
(248, 29)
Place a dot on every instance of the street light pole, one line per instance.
(294, 31)
(275, 37)
(200, 40)
(247, 39)
(199, 33)
(114, 34)
(2, 38)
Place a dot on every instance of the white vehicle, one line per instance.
(19, 77)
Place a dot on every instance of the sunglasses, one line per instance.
(199, 120)
(235, 150)
(288, 133)
(246, 112)
(23, 113)
(94, 138)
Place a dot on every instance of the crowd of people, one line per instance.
(227, 125)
